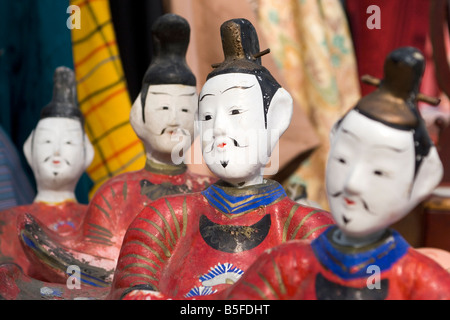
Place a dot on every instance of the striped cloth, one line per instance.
(103, 95)
(15, 188)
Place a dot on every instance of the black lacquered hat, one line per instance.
(394, 102)
(242, 54)
(171, 34)
(64, 101)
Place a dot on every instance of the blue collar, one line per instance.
(354, 263)
(232, 200)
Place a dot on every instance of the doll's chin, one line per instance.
(232, 174)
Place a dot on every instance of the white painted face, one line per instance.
(58, 154)
(369, 175)
(170, 112)
(232, 126)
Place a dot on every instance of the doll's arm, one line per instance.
(148, 244)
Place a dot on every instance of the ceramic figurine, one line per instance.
(198, 244)
(58, 151)
(382, 163)
(297, 191)
(163, 118)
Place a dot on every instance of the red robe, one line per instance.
(197, 244)
(63, 218)
(115, 204)
(322, 270)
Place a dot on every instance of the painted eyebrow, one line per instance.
(157, 92)
(205, 95)
(383, 146)
(70, 128)
(187, 94)
(237, 87)
(350, 133)
(233, 87)
(389, 147)
(168, 94)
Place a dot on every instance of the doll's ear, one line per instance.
(88, 152)
(279, 114)
(428, 177)
(136, 120)
(27, 146)
(334, 130)
(196, 124)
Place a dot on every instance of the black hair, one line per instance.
(242, 55)
(171, 35)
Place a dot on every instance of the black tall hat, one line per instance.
(242, 55)
(241, 49)
(394, 102)
(64, 101)
(171, 34)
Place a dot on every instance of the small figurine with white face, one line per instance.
(57, 154)
(198, 244)
(163, 117)
(58, 151)
(382, 163)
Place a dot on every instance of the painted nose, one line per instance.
(355, 182)
(56, 149)
(174, 121)
(220, 128)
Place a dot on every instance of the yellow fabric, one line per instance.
(312, 46)
(103, 95)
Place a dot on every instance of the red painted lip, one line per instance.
(348, 201)
(221, 145)
(56, 161)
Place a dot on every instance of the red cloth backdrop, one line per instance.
(403, 23)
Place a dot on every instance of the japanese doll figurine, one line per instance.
(197, 244)
(163, 118)
(58, 152)
(381, 164)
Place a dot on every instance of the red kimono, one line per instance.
(97, 244)
(64, 218)
(198, 244)
(323, 270)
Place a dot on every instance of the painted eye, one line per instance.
(68, 142)
(208, 117)
(235, 111)
(378, 172)
(165, 108)
(342, 160)
(184, 110)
